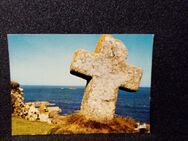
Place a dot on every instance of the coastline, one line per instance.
(45, 115)
(135, 105)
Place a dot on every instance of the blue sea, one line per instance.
(131, 104)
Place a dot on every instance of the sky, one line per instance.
(44, 59)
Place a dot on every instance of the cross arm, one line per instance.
(81, 64)
(132, 78)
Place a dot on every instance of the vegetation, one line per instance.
(77, 124)
(14, 85)
(24, 127)
(73, 124)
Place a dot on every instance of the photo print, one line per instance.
(80, 83)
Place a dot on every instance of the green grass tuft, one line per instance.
(24, 127)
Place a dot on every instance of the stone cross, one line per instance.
(106, 70)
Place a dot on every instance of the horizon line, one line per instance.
(63, 85)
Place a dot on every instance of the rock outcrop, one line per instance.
(17, 99)
(33, 111)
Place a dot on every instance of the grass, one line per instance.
(24, 127)
(77, 124)
(74, 123)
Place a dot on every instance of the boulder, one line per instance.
(33, 114)
(53, 114)
(43, 108)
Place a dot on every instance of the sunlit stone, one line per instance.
(108, 69)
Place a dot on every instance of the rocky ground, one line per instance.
(32, 111)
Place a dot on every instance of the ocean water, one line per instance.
(131, 104)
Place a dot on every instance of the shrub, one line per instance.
(14, 85)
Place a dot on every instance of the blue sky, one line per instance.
(44, 59)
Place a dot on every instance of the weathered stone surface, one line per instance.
(17, 100)
(53, 114)
(43, 108)
(108, 69)
(33, 114)
(44, 117)
(55, 108)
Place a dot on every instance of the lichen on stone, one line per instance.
(109, 70)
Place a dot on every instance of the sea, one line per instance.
(68, 98)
